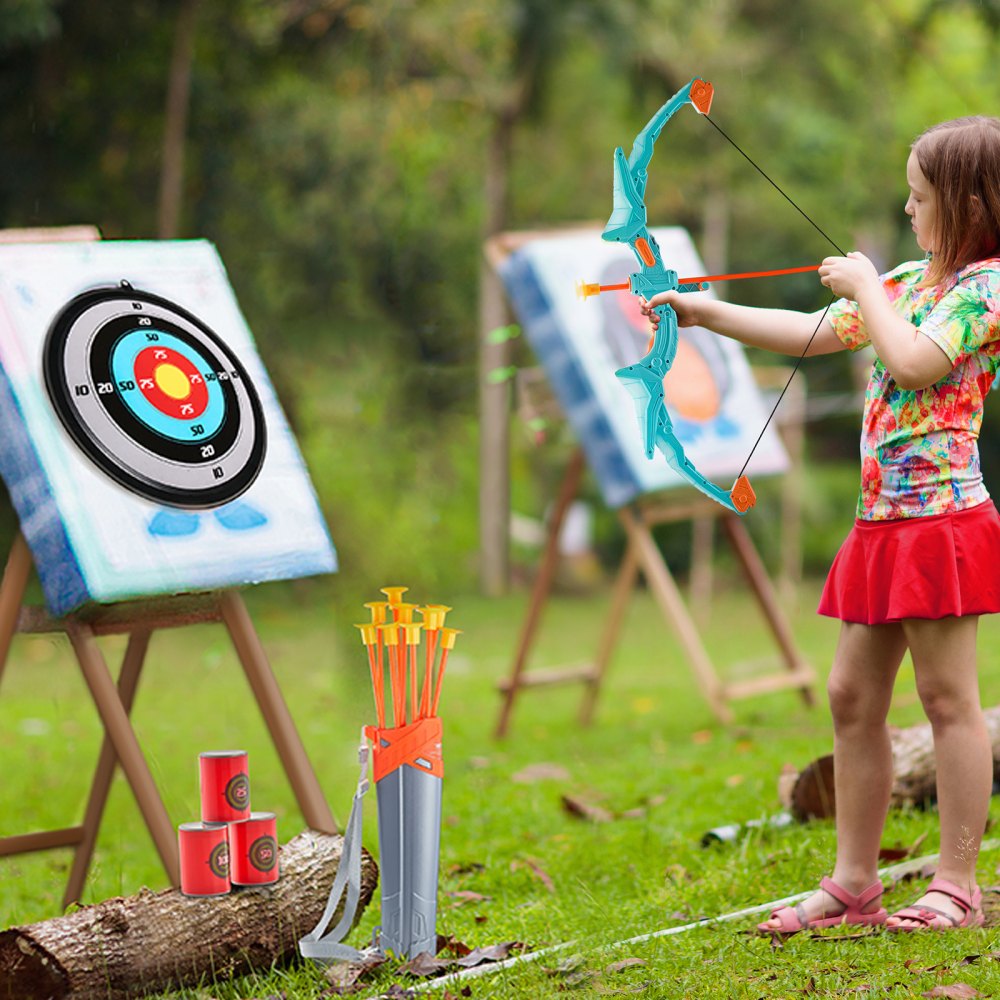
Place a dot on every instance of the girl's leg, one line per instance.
(944, 660)
(860, 690)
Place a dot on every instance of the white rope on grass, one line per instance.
(895, 872)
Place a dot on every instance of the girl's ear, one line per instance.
(976, 206)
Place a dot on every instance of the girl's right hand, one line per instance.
(685, 305)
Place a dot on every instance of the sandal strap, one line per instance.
(954, 892)
(858, 902)
(925, 914)
(920, 914)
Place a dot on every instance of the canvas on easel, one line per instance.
(144, 448)
(717, 412)
(153, 473)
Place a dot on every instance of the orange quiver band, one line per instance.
(418, 744)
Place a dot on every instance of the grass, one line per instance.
(654, 758)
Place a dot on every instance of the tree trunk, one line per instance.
(811, 796)
(494, 395)
(152, 942)
(175, 123)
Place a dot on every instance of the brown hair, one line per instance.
(961, 160)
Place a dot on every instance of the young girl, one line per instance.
(922, 561)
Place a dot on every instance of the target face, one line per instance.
(154, 398)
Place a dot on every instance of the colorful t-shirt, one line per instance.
(919, 451)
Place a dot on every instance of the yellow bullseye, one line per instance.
(172, 382)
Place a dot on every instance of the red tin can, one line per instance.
(253, 850)
(204, 850)
(225, 786)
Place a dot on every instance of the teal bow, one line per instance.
(644, 379)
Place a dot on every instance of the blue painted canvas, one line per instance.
(714, 403)
(141, 440)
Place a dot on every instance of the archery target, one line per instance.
(154, 398)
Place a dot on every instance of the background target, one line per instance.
(154, 398)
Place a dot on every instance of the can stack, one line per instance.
(231, 845)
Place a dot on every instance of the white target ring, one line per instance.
(154, 398)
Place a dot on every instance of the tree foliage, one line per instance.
(338, 150)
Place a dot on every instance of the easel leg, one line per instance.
(128, 680)
(276, 715)
(669, 598)
(760, 584)
(625, 583)
(12, 587)
(543, 586)
(126, 746)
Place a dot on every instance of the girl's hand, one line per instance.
(848, 276)
(686, 306)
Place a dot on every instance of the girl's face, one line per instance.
(921, 206)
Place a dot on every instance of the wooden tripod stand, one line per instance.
(643, 556)
(138, 620)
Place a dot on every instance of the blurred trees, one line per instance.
(347, 156)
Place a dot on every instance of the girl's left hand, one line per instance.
(847, 276)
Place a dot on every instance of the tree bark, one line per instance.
(811, 796)
(175, 122)
(152, 942)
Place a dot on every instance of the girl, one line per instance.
(922, 561)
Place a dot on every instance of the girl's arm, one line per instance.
(914, 361)
(783, 331)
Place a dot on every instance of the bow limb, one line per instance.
(644, 382)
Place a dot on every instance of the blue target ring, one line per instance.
(123, 356)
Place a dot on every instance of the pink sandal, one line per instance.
(793, 918)
(931, 918)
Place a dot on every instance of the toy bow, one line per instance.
(644, 379)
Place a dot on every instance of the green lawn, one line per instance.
(654, 758)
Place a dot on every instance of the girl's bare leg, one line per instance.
(944, 660)
(860, 691)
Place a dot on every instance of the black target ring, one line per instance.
(201, 461)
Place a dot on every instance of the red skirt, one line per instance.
(917, 567)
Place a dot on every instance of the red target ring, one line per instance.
(170, 382)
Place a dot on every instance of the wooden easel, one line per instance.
(642, 555)
(138, 620)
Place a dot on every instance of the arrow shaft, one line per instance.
(747, 274)
(624, 286)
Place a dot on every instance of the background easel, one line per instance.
(643, 556)
(560, 346)
(139, 620)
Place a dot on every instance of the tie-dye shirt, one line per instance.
(919, 451)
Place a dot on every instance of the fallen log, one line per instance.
(148, 943)
(810, 793)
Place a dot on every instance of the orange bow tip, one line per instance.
(742, 495)
(701, 96)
